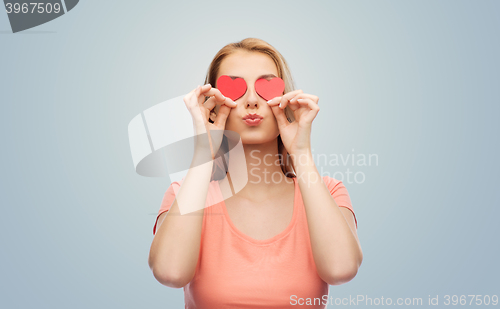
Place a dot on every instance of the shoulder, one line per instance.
(340, 195)
(338, 191)
(179, 182)
(332, 183)
(176, 185)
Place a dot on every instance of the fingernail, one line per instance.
(269, 101)
(279, 105)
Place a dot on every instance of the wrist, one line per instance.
(302, 158)
(305, 168)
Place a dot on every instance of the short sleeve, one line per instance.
(168, 200)
(339, 193)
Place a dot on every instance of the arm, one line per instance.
(334, 241)
(176, 245)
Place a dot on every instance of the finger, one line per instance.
(274, 101)
(210, 103)
(220, 120)
(303, 99)
(287, 97)
(278, 102)
(313, 109)
(301, 103)
(280, 116)
(209, 91)
(192, 91)
(202, 89)
(190, 98)
(309, 103)
(217, 98)
(197, 92)
(293, 105)
(314, 98)
(283, 102)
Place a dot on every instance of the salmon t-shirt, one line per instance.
(237, 271)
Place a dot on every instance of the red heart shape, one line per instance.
(231, 88)
(269, 89)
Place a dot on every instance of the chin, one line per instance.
(257, 137)
(261, 134)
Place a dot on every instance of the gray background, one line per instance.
(415, 82)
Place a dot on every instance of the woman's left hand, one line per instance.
(296, 136)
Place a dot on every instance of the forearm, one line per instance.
(335, 247)
(175, 247)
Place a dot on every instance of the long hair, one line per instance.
(252, 45)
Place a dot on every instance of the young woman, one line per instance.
(289, 233)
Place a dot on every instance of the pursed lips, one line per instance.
(252, 116)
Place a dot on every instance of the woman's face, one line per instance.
(250, 66)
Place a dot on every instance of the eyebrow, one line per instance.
(262, 76)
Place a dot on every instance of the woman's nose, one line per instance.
(252, 99)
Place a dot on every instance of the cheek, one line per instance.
(274, 125)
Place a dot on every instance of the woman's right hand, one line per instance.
(200, 112)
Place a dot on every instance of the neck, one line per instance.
(263, 169)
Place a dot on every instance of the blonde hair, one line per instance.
(260, 46)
